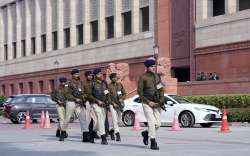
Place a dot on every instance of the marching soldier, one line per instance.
(151, 92)
(100, 100)
(77, 105)
(118, 95)
(61, 95)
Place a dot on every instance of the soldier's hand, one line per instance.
(78, 100)
(152, 104)
(100, 103)
(115, 105)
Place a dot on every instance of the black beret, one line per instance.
(62, 79)
(87, 73)
(112, 75)
(75, 71)
(149, 62)
(97, 71)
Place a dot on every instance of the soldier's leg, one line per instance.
(101, 114)
(157, 115)
(70, 108)
(61, 116)
(114, 115)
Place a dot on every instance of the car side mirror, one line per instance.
(170, 103)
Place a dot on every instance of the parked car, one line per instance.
(188, 113)
(16, 106)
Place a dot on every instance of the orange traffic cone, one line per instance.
(27, 120)
(224, 125)
(42, 120)
(47, 120)
(175, 124)
(137, 125)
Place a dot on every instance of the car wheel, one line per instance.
(128, 118)
(206, 125)
(21, 116)
(145, 123)
(14, 121)
(186, 119)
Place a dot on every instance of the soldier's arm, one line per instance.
(124, 94)
(140, 90)
(90, 97)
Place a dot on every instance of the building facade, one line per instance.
(41, 40)
(222, 45)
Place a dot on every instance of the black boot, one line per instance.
(145, 137)
(92, 137)
(85, 137)
(153, 145)
(58, 133)
(62, 136)
(66, 135)
(104, 140)
(118, 137)
(112, 135)
(96, 136)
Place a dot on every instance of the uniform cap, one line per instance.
(62, 79)
(97, 71)
(112, 75)
(87, 73)
(75, 71)
(149, 62)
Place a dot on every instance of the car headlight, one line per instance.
(201, 109)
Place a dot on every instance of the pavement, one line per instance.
(16, 141)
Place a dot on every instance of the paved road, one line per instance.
(16, 141)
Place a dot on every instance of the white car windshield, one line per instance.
(179, 99)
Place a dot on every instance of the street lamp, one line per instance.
(56, 63)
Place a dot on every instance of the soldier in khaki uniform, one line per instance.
(101, 100)
(118, 94)
(77, 105)
(151, 92)
(61, 95)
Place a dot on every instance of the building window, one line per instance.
(244, 4)
(21, 88)
(23, 47)
(33, 45)
(144, 19)
(218, 7)
(6, 52)
(54, 40)
(30, 87)
(127, 23)
(12, 89)
(43, 42)
(14, 50)
(52, 85)
(110, 27)
(41, 88)
(3, 89)
(79, 34)
(66, 37)
(94, 31)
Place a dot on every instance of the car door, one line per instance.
(38, 105)
(167, 116)
(137, 105)
(51, 108)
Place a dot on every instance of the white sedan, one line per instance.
(188, 113)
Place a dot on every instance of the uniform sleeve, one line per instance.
(140, 87)
(88, 90)
(162, 91)
(124, 94)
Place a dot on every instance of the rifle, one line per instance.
(78, 94)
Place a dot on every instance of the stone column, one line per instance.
(28, 27)
(207, 8)
(48, 26)
(1, 37)
(10, 39)
(38, 27)
(60, 35)
(135, 16)
(73, 23)
(231, 6)
(118, 18)
(101, 22)
(86, 15)
(18, 29)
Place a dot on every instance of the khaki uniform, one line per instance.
(150, 88)
(61, 95)
(118, 95)
(100, 93)
(77, 90)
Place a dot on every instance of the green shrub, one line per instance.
(223, 101)
(238, 115)
(2, 99)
